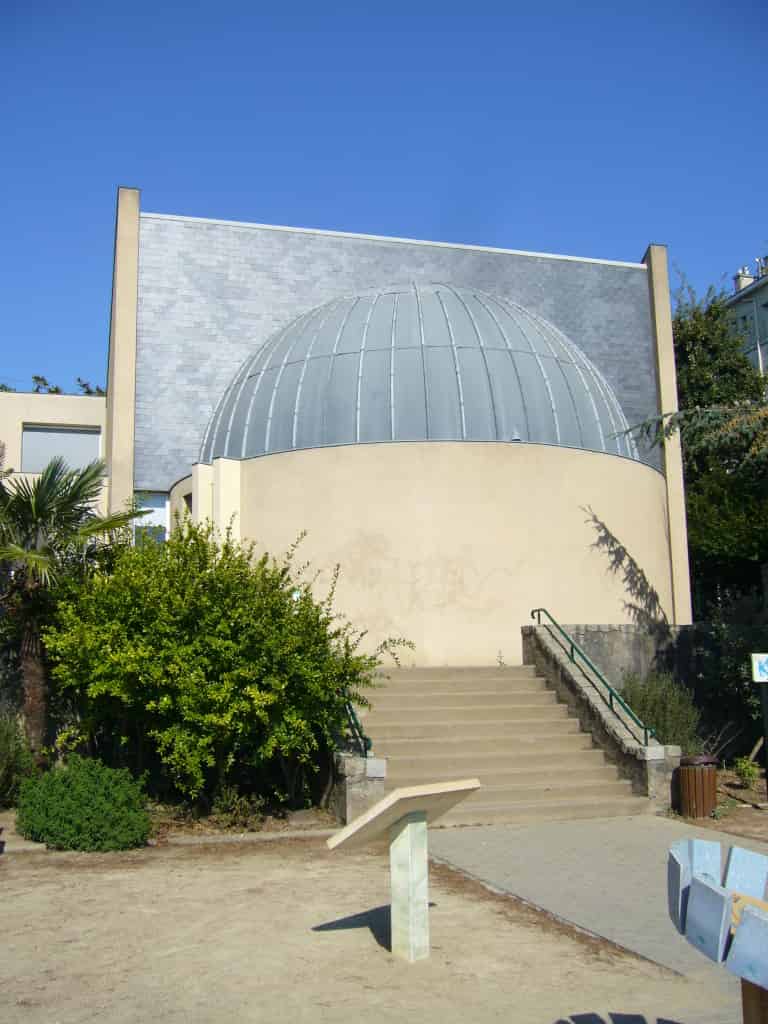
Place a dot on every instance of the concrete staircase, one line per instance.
(503, 726)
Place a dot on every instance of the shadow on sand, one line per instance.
(613, 1018)
(376, 920)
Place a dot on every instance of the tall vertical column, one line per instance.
(202, 492)
(409, 880)
(121, 373)
(655, 260)
(226, 496)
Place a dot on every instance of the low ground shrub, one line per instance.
(747, 771)
(232, 809)
(83, 805)
(16, 762)
(667, 707)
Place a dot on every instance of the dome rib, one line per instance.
(395, 304)
(420, 316)
(481, 345)
(456, 367)
(544, 375)
(545, 333)
(447, 363)
(505, 336)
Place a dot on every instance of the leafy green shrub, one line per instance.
(222, 664)
(16, 761)
(232, 809)
(83, 805)
(747, 771)
(667, 706)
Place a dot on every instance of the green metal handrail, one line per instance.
(613, 695)
(362, 741)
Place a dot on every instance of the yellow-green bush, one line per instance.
(221, 665)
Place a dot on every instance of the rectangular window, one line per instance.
(153, 526)
(76, 445)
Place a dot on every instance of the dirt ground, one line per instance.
(283, 930)
(741, 811)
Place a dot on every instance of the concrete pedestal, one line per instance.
(409, 881)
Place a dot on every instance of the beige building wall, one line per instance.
(452, 544)
(178, 504)
(18, 409)
(661, 316)
(121, 371)
(202, 492)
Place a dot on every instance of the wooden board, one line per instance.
(434, 799)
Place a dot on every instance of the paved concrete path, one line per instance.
(607, 876)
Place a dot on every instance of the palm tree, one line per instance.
(48, 528)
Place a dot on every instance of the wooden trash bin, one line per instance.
(698, 786)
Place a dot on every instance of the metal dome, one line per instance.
(416, 363)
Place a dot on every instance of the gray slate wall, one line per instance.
(210, 293)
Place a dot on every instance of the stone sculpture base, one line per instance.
(409, 882)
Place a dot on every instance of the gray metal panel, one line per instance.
(340, 402)
(375, 397)
(479, 407)
(210, 294)
(308, 422)
(410, 413)
(444, 407)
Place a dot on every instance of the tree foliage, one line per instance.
(49, 531)
(42, 386)
(723, 427)
(224, 665)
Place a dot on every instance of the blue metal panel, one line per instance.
(748, 955)
(678, 883)
(708, 919)
(747, 872)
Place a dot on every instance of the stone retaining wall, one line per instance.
(650, 767)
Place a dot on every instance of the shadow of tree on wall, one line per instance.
(643, 604)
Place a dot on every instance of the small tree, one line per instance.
(48, 528)
(223, 664)
(723, 426)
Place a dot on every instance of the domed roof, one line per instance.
(419, 362)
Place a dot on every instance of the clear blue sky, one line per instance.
(560, 127)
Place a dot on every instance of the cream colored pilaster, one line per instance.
(226, 495)
(655, 260)
(202, 493)
(121, 375)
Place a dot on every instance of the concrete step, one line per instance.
(472, 731)
(567, 770)
(527, 685)
(438, 764)
(554, 791)
(484, 672)
(472, 748)
(466, 715)
(464, 698)
(468, 813)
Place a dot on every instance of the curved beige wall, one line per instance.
(452, 544)
(178, 508)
